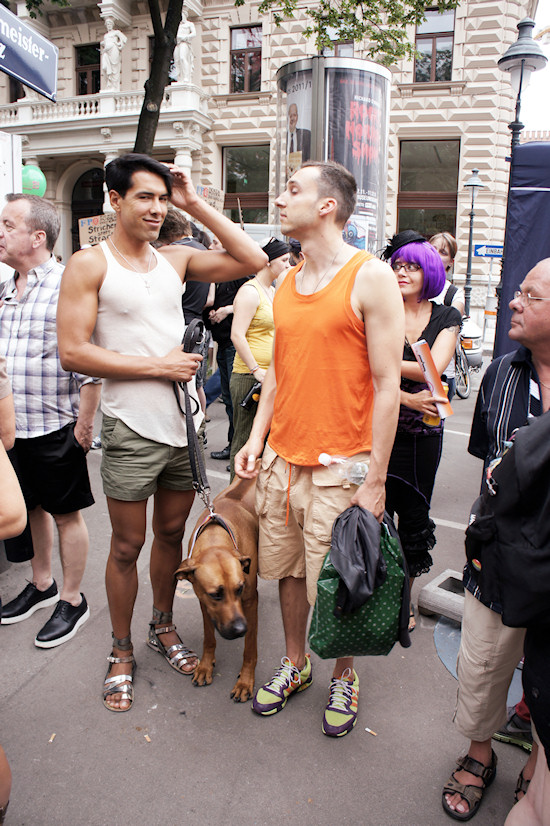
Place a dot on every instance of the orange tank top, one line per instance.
(324, 393)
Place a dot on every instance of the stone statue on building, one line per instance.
(111, 48)
(183, 52)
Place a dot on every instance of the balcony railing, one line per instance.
(29, 112)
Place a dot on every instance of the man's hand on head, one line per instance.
(183, 195)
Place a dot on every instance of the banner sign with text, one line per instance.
(213, 196)
(27, 56)
(95, 229)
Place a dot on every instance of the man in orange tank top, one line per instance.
(333, 386)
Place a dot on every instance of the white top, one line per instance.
(140, 314)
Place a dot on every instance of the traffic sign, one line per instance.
(488, 250)
(26, 55)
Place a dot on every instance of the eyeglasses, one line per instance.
(408, 266)
(527, 298)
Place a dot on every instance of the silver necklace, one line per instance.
(266, 292)
(146, 281)
(338, 251)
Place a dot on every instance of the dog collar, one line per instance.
(212, 517)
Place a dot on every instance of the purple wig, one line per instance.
(426, 256)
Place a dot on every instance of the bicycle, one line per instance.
(462, 372)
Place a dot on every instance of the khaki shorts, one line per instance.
(315, 497)
(132, 468)
(489, 652)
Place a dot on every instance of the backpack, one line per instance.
(508, 538)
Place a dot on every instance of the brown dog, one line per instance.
(223, 573)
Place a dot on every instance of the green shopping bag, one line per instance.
(370, 630)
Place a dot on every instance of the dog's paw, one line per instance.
(203, 674)
(242, 691)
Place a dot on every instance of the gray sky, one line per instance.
(535, 100)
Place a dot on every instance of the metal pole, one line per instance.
(468, 284)
(515, 128)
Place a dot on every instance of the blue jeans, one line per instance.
(213, 387)
(226, 356)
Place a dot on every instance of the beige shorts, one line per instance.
(296, 544)
(132, 467)
(489, 652)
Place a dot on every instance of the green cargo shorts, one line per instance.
(132, 467)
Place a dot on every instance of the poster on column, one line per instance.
(357, 123)
(298, 120)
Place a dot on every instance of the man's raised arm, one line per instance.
(242, 255)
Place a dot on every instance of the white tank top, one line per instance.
(140, 314)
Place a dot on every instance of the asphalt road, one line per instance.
(190, 755)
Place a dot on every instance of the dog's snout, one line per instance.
(233, 630)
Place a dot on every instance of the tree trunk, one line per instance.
(165, 40)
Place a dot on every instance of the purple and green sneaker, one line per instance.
(272, 696)
(341, 712)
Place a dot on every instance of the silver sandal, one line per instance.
(123, 683)
(178, 654)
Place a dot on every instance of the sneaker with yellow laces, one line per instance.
(272, 697)
(341, 712)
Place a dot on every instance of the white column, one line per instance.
(109, 156)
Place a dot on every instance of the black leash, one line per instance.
(192, 340)
(191, 343)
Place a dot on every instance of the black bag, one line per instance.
(508, 538)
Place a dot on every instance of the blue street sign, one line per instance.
(488, 250)
(26, 55)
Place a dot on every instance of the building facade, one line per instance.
(448, 115)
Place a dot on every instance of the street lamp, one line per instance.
(474, 184)
(521, 59)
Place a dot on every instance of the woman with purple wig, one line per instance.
(417, 447)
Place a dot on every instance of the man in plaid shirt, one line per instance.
(54, 418)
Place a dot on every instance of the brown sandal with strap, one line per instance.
(123, 683)
(472, 795)
(521, 787)
(178, 655)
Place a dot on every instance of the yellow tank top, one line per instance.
(324, 388)
(259, 334)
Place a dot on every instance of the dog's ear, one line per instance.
(186, 570)
(245, 562)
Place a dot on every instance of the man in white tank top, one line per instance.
(120, 318)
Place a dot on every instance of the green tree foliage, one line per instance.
(380, 23)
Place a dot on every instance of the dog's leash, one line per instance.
(192, 339)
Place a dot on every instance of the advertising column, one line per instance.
(338, 109)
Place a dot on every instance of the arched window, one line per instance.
(87, 200)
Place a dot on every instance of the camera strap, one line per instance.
(191, 340)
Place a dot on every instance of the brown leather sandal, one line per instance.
(473, 795)
(521, 787)
(178, 656)
(123, 683)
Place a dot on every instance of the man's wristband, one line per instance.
(256, 367)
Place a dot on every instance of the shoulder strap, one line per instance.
(450, 294)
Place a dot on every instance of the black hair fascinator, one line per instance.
(407, 236)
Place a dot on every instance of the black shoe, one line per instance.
(222, 454)
(515, 731)
(228, 468)
(63, 623)
(29, 600)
